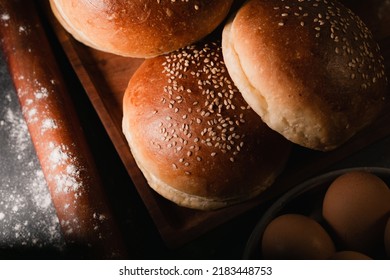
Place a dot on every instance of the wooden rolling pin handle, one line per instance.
(72, 178)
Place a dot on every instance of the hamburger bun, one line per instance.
(138, 28)
(193, 136)
(310, 69)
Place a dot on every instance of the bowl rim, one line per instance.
(295, 192)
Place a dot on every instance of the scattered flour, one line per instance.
(48, 124)
(27, 215)
(5, 17)
(66, 166)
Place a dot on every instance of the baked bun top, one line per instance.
(140, 28)
(309, 68)
(194, 137)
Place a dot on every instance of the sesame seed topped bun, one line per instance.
(140, 28)
(309, 68)
(195, 139)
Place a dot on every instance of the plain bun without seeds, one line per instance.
(140, 28)
(309, 68)
(193, 136)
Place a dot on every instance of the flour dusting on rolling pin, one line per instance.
(28, 219)
(72, 178)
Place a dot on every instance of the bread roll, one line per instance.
(193, 136)
(140, 28)
(310, 69)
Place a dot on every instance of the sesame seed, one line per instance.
(208, 68)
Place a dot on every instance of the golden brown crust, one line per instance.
(192, 134)
(309, 68)
(138, 28)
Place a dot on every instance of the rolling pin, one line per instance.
(87, 223)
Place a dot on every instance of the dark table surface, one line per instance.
(29, 227)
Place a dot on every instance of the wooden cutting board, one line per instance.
(105, 77)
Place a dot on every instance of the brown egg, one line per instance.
(294, 236)
(387, 237)
(349, 255)
(356, 207)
